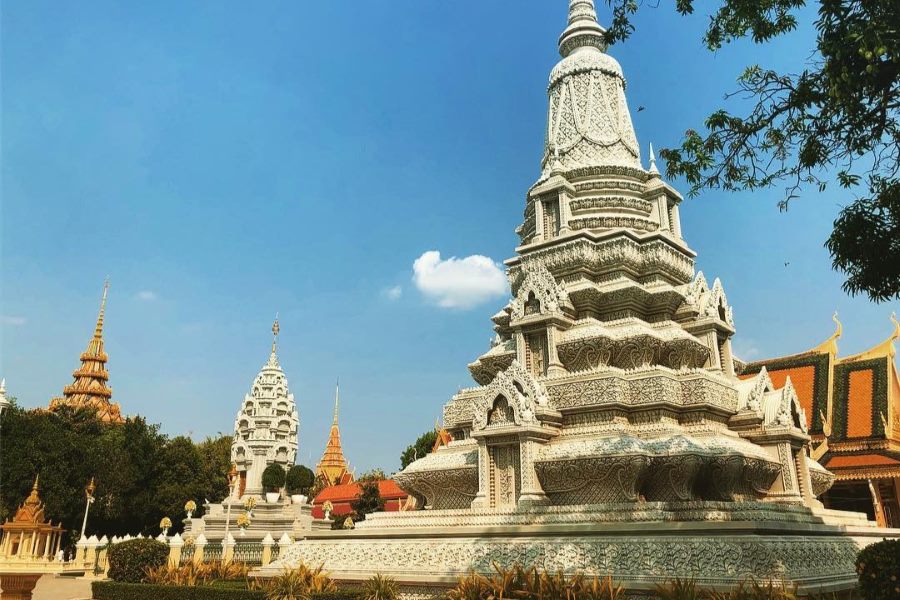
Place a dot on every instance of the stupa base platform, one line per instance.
(275, 519)
(716, 544)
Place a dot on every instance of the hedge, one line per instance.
(109, 590)
(129, 561)
(878, 566)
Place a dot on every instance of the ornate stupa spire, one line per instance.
(588, 123)
(90, 389)
(333, 466)
(267, 425)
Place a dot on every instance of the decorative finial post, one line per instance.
(653, 169)
(275, 329)
(337, 400)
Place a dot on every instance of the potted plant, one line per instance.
(243, 522)
(297, 482)
(249, 504)
(272, 482)
(164, 524)
(189, 507)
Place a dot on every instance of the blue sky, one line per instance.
(222, 161)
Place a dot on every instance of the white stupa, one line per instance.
(266, 427)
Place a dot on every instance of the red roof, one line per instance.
(351, 491)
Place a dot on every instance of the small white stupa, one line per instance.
(266, 427)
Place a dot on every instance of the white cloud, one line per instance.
(14, 321)
(147, 295)
(458, 282)
(392, 293)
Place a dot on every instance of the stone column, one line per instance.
(46, 545)
(267, 549)
(538, 219)
(531, 494)
(564, 212)
(228, 549)
(199, 546)
(662, 209)
(22, 543)
(175, 545)
(79, 551)
(727, 357)
(554, 366)
(482, 498)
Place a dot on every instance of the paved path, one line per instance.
(51, 587)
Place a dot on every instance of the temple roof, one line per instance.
(387, 489)
(854, 401)
(333, 466)
(90, 389)
(30, 514)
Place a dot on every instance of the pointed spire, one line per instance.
(98, 330)
(337, 400)
(582, 29)
(653, 169)
(34, 488)
(90, 389)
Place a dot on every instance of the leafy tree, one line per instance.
(215, 454)
(420, 448)
(369, 500)
(840, 114)
(373, 475)
(273, 478)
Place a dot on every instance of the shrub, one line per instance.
(129, 561)
(299, 480)
(380, 588)
(273, 478)
(878, 567)
(519, 582)
(108, 590)
(298, 583)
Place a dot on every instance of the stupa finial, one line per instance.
(653, 169)
(275, 329)
(582, 29)
(98, 330)
(337, 400)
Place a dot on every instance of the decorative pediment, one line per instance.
(514, 397)
(538, 293)
(782, 408)
(709, 301)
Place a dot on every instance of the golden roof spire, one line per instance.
(884, 349)
(90, 389)
(333, 466)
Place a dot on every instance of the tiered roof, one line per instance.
(333, 467)
(852, 404)
(90, 389)
(30, 515)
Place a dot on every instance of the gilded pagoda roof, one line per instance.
(89, 388)
(333, 466)
(30, 514)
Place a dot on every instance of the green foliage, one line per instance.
(141, 475)
(878, 567)
(519, 582)
(369, 501)
(420, 448)
(273, 478)
(130, 561)
(298, 583)
(373, 475)
(380, 588)
(108, 590)
(839, 116)
(299, 480)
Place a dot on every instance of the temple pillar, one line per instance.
(482, 498)
(538, 219)
(727, 357)
(554, 366)
(532, 493)
(199, 547)
(564, 212)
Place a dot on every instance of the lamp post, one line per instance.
(89, 494)
(232, 481)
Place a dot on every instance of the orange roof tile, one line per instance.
(387, 488)
(860, 460)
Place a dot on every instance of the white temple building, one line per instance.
(266, 427)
